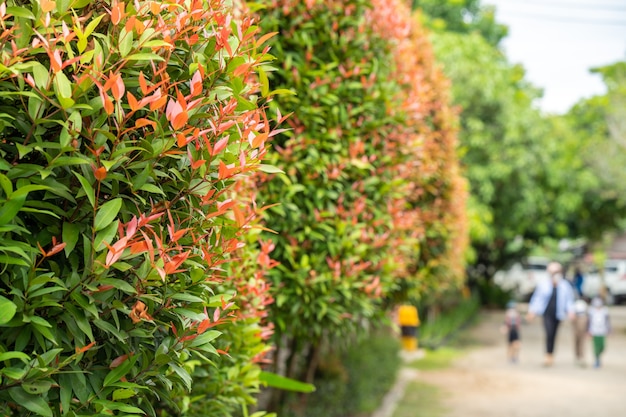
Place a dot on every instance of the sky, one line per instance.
(558, 41)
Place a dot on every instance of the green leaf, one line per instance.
(205, 338)
(63, 90)
(6, 184)
(20, 12)
(10, 208)
(117, 373)
(41, 75)
(7, 310)
(107, 213)
(68, 160)
(11, 260)
(14, 355)
(264, 82)
(145, 56)
(87, 188)
(45, 332)
(34, 403)
(105, 235)
(123, 393)
(151, 188)
(125, 42)
(70, 235)
(270, 169)
(37, 387)
(281, 382)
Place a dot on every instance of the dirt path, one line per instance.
(483, 384)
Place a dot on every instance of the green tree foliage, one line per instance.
(505, 144)
(462, 16)
(126, 131)
(531, 176)
(596, 140)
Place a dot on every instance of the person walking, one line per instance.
(578, 281)
(511, 327)
(554, 300)
(599, 327)
(581, 328)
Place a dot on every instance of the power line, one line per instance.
(567, 5)
(561, 19)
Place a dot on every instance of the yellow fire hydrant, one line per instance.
(408, 320)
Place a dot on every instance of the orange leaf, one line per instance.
(264, 38)
(117, 12)
(157, 104)
(85, 348)
(242, 69)
(132, 101)
(224, 171)
(56, 249)
(197, 164)
(48, 5)
(239, 217)
(180, 120)
(142, 84)
(100, 173)
(144, 122)
(258, 140)
(118, 87)
(138, 247)
(55, 61)
(130, 24)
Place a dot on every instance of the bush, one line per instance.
(124, 132)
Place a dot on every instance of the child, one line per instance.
(512, 323)
(599, 327)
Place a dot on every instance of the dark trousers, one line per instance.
(551, 325)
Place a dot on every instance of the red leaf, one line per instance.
(204, 325)
(220, 145)
(196, 84)
(197, 164)
(118, 361)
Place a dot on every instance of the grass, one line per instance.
(420, 400)
(444, 328)
(436, 359)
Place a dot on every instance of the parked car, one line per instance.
(522, 277)
(614, 280)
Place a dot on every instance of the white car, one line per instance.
(614, 280)
(522, 277)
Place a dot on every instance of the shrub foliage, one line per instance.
(125, 129)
